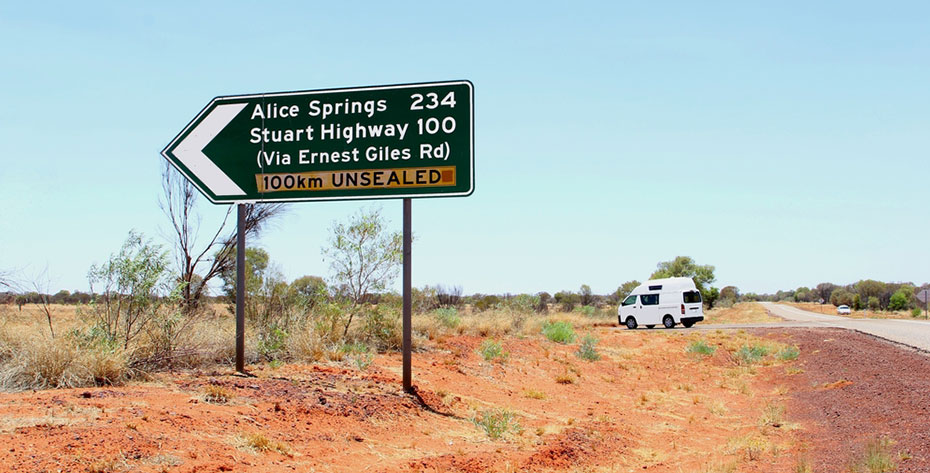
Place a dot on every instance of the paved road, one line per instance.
(914, 333)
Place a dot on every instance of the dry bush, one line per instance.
(38, 362)
(215, 394)
(307, 345)
(260, 443)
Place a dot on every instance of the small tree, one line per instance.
(730, 293)
(869, 288)
(587, 297)
(567, 300)
(825, 290)
(195, 265)
(874, 303)
(543, 299)
(804, 294)
(312, 290)
(684, 266)
(841, 296)
(625, 289)
(900, 300)
(363, 257)
(449, 296)
(133, 284)
(710, 296)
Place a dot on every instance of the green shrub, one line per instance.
(521, 303)
(747, 355)
(272, 343)
(700, 347)
(586, 350)
(483, 303)
(359, 353)
(788, 353)
(381, 327)
(874, 303)
(448, 317)
(497, 423)
(586, 310)
(915, 312)
(492, 350)
(559, 332)
(899, 300)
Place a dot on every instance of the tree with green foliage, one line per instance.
(730, 293)
(200, 260)
(825, 290)
(363, 256)
(869, 288)
(900, 300)
(586, 296)
(311, 289)
(804, 294)
(133, 286)
(567, 299)
(626, 288)
(841, 296)
(685, 266)
(542, 306)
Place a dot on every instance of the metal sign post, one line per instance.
(240, 288)
(408, 342)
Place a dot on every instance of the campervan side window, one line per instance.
(650, 299)
(692, 297)
(629, 300)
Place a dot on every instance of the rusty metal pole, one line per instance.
(407, 345)
(240, 290)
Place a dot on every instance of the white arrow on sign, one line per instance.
(190, 150)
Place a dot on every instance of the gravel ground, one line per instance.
(855, 388)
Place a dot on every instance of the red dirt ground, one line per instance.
(646, 405)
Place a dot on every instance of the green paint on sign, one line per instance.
(414, 140)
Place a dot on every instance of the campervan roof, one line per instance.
(665, 285)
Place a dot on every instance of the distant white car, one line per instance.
(843, 310)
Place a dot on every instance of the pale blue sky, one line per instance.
(786, 144)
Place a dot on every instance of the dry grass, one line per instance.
(565, 378)
(742, 313)
(751, 447)
(215, 394)
(307, 345)
(40, 362)
(876, 457)
(773, 415)
(534, 394)
(260, 443)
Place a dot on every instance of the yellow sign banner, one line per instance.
(437, 176)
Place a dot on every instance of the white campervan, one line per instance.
(667, 301)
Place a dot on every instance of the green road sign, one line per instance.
(412, 140)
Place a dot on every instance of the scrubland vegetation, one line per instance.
(867, 297)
